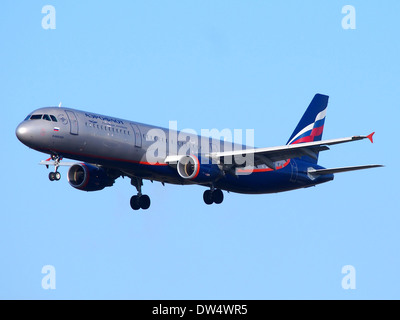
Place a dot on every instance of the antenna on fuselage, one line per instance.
(59, 105)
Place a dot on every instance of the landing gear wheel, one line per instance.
(135, 203)
(140, 202)
(213, 196)
(144, 202)
(207, 197)
(218, 196)
(52, 176)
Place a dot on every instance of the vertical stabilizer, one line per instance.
(311, 125)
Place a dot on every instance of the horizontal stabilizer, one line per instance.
(319, 172)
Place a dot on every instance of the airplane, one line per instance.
(107, 148)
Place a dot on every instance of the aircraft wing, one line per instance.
(270, 155)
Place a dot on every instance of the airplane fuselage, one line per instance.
(124, 146)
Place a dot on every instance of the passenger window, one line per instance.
(36, 117)
(53, 118)
(46, 117)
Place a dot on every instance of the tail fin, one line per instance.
(311, 125)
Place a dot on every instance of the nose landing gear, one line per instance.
(55, 176)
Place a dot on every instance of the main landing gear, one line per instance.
(55, 176)
(140, 201)
(213, 196)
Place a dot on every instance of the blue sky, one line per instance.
(206, 64)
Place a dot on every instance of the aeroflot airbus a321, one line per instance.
(108, 148)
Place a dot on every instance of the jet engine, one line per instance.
(191, 168)
(87, 177)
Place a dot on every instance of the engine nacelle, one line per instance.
(87, 177)
(191, 168)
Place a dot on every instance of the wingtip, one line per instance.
(370, 137)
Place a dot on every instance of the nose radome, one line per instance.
(22, 133)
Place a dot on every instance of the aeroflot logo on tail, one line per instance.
(95, 116)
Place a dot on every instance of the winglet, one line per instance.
(370, 137)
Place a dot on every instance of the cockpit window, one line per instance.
(27, 117)
(41, 116)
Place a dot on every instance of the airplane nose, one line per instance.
(22, 133)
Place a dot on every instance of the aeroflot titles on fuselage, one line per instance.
(95, 116)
